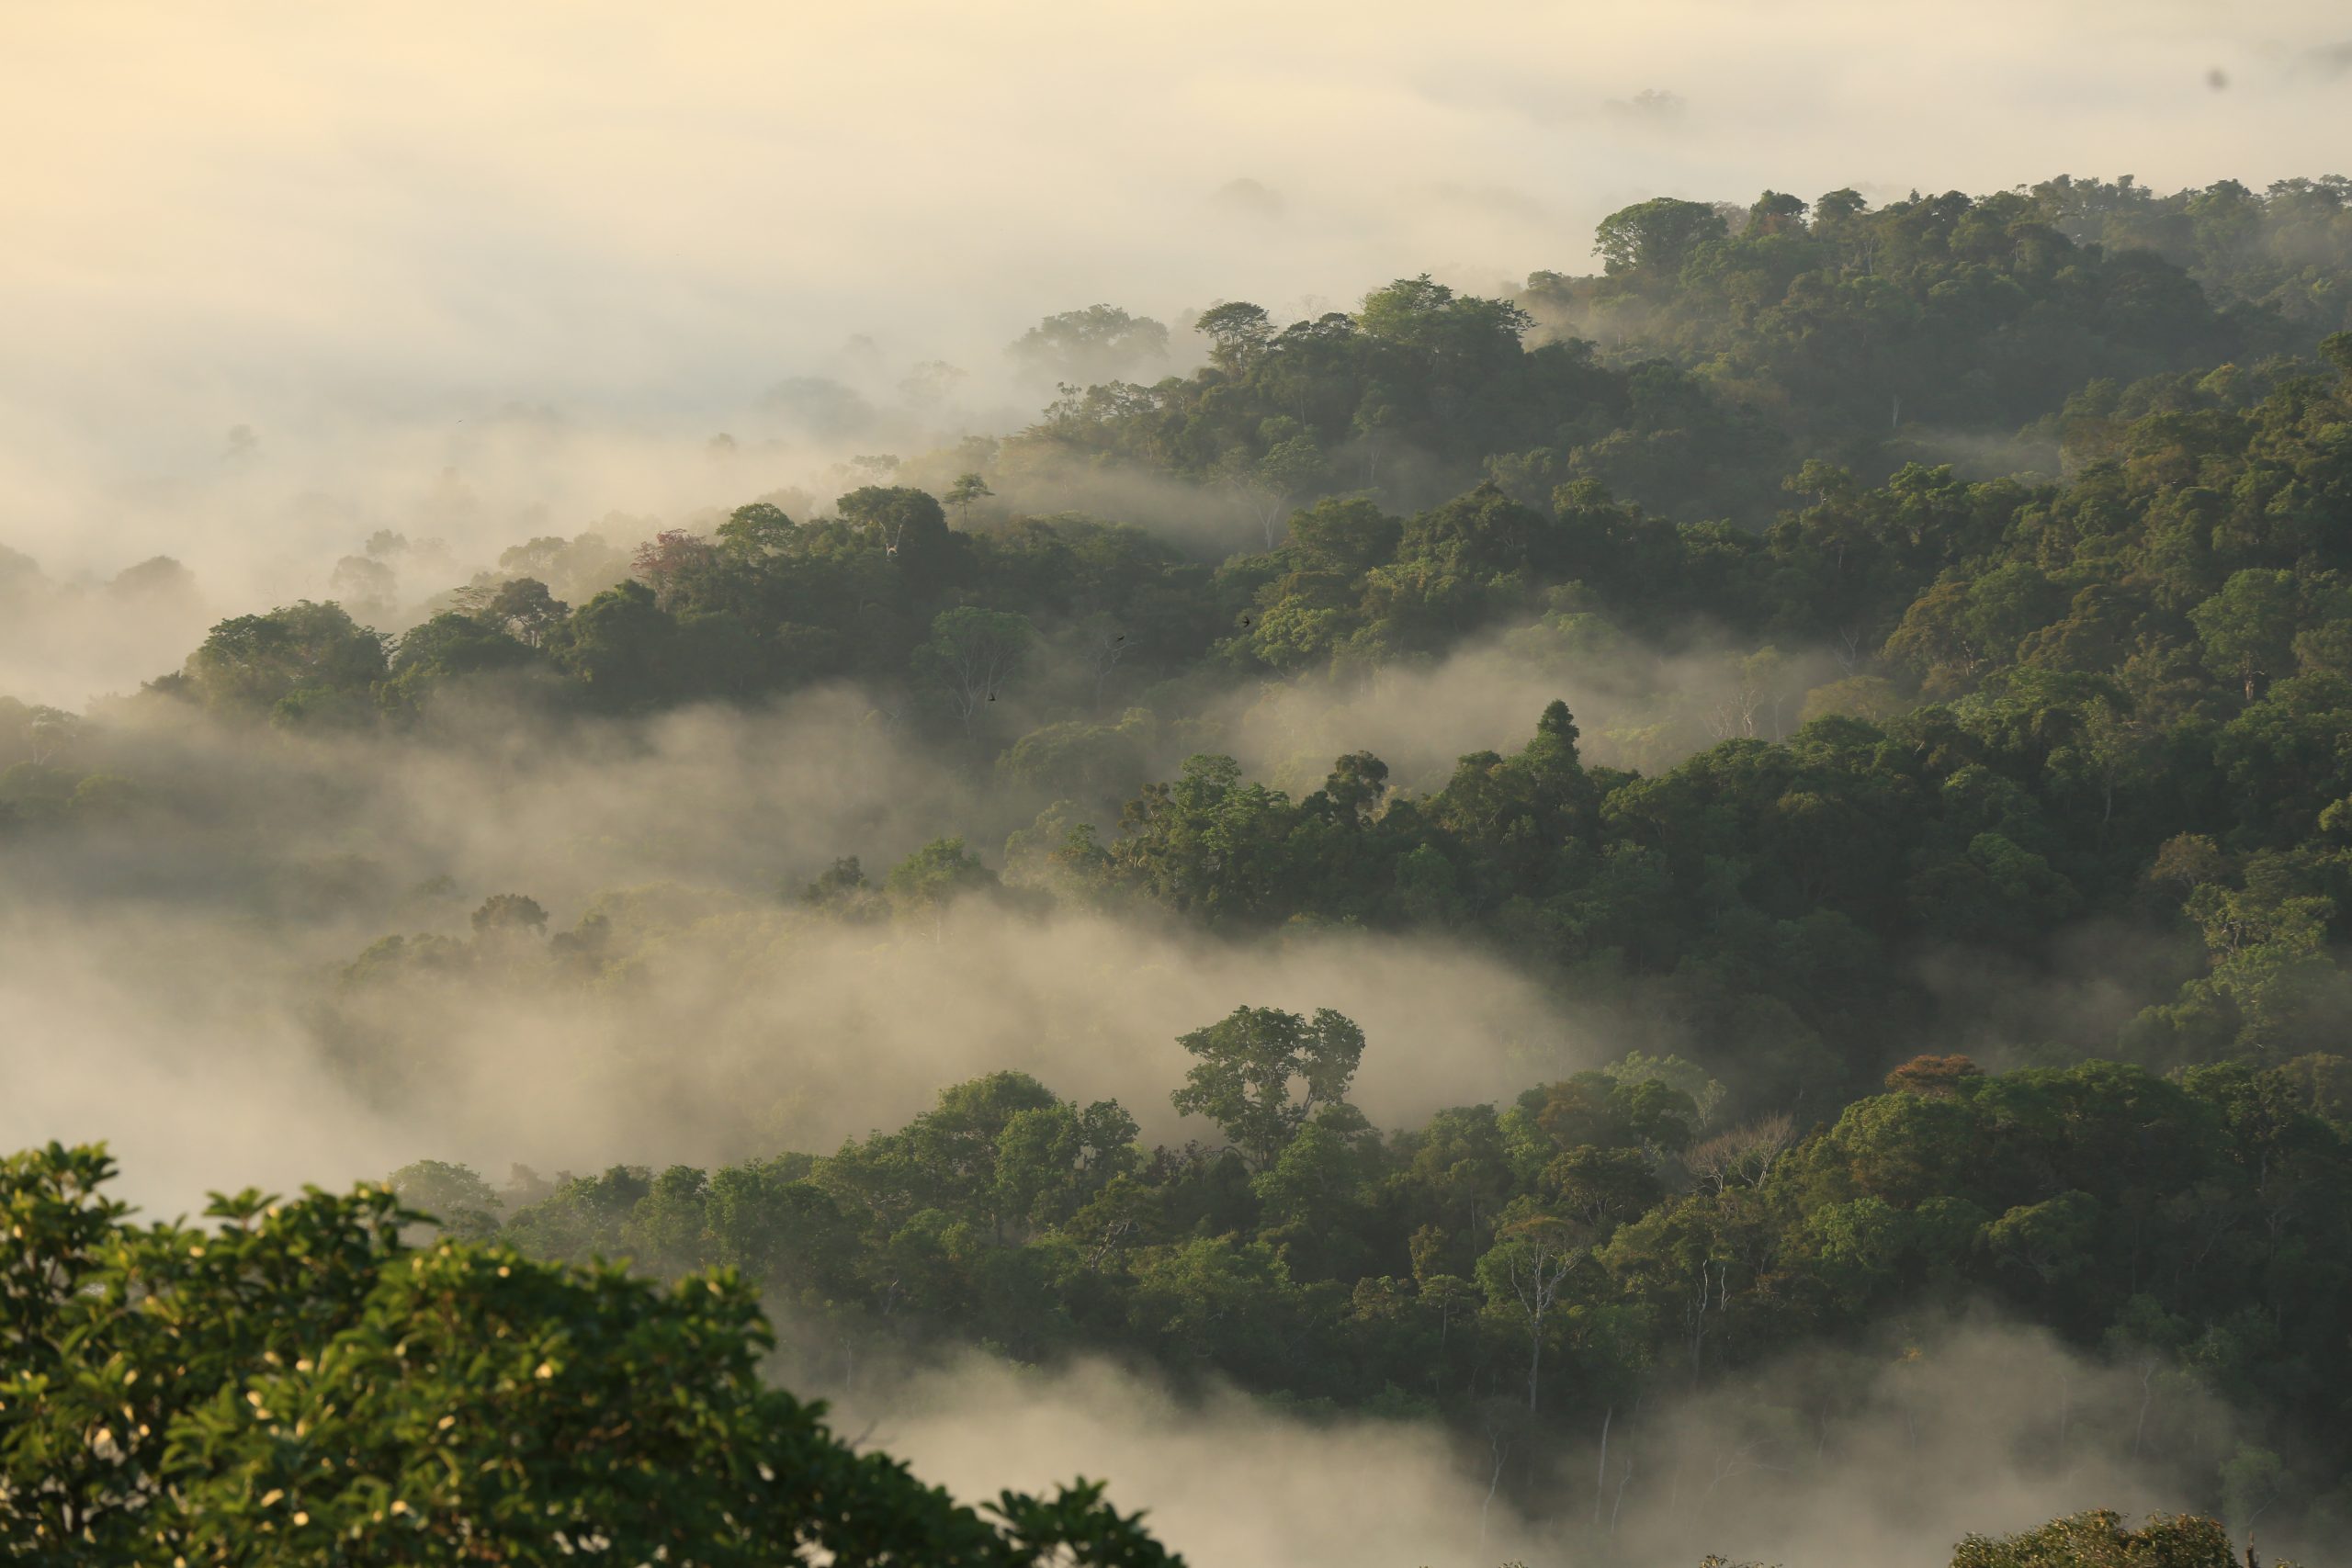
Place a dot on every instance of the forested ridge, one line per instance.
(1949, 832)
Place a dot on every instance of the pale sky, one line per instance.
(352, 228)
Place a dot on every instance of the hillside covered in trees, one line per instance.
(1876, 681)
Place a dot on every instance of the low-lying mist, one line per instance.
(393, 309)
(100, 594)
(203, 937)
(749, 1032)
(1636, 707)
(181, 967)
(512, 308)
(1886, 1452)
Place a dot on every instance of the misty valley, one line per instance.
(1698, 912)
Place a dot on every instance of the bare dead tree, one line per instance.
(1500, 1421)
(1536, 1273)
(1745, 1155)
(1600, 1477)
(1849, 650)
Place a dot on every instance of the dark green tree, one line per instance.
(1263, 1073)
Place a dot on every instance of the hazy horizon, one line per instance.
(1440, 943)
(552, 251)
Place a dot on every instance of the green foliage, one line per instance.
(1656, 237)
(967, 488)
(757, 529)
(1237, 330)
(1847, 325)
(504, 912)
(2191, 1228)
(1076, 760)
(622, 648)
(2100, 1540)
(2280, 250)
(1250, 1062)
(459, 1200)
(935, 876)
(301, 663)
(297, 1385)
(1101, 343)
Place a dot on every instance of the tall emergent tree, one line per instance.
(1248, 1063)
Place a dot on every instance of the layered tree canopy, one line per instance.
(1873, 683)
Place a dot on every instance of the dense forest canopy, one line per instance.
(1871, 685)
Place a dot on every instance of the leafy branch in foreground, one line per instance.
(297, 1385)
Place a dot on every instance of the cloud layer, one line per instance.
(361, 235)
(1887, 1450)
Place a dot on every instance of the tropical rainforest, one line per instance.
(1686, 883)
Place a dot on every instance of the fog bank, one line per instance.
(308, 270)
(1885, 1451)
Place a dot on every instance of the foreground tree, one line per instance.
(298, 1386)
